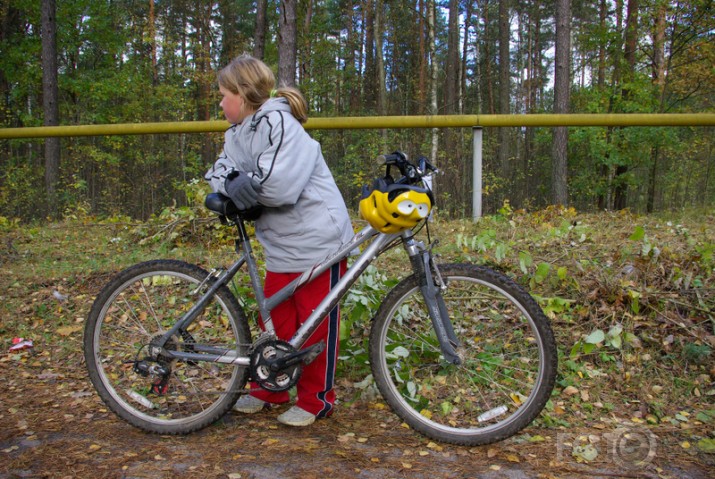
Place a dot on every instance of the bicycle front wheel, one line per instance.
(508, 356)
(174, 396)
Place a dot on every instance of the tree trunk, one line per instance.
(659, 83)
(423, 59)
(562, 85)
(370, 98)
(50, 95)
(380, 59)
(287, 46)
(151, 27)
(605, 201)
(380, 65)
(620, 194)
(350, 72)
(204, 77)
(488, 60)
(304, 55)
(601, 76)
(659, 49)
(452, 68)
(465, 52)
(504, 89)
(259, 47)
(433, 75)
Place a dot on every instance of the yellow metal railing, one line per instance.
(360, 122)
(476, 122)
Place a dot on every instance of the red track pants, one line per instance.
(315, 387)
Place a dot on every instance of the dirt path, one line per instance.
(54, 425)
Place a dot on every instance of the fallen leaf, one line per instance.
(67, 330)
(569, 391)
(348, 436)
(585, 453)
(707, 445)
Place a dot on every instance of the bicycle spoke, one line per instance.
(493, 391)
(148, 386)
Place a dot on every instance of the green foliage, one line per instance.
(357, 311)
(118, 63)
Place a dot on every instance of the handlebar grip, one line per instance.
(390, 158)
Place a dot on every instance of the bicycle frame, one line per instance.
(420, 258)
(266, 305)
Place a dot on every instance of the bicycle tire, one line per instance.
(507, 346)
(139, 304)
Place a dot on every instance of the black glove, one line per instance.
(243, 190)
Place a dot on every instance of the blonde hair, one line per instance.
(254, 81)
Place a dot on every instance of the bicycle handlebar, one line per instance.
(410, 173)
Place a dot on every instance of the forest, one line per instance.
(83, 62)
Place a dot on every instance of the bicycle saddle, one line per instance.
(222, 205)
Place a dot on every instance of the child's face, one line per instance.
(234, 107)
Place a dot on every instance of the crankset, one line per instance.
(276, 365)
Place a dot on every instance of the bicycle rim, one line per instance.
(509, 358)
(140, 305)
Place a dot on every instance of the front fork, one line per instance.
(431, 286)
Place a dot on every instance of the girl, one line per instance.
(268, 158)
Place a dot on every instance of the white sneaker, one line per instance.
(248, 404)
(296, 416)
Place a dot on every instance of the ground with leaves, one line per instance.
(630, 299)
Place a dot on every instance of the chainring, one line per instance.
(262, 356)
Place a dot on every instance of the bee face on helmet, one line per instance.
(395, 208)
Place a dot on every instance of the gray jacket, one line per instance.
(305, 218)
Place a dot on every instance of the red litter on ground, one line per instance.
(19, 344)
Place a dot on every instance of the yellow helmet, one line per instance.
(396, 207)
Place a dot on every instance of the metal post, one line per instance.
(477, 173)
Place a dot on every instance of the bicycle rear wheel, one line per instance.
(508, 356)
(138, 306)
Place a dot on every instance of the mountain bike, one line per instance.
(460, 352)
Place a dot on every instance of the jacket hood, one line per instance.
(272, 104)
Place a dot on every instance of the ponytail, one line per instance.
(298, 105)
